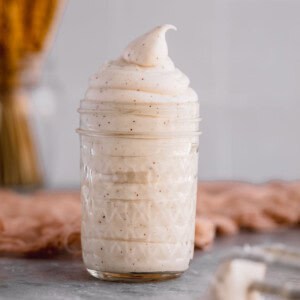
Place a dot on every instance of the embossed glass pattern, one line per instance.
(138, 188)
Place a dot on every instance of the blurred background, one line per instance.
(242, 57)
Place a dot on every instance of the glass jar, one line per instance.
(139, 164)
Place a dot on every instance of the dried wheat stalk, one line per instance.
(24, 27)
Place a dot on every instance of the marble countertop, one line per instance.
(38, 279)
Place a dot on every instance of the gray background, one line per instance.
(243, 59)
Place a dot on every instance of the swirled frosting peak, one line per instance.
(150, 49)
(143, 73)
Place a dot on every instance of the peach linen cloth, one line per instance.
(48, 223)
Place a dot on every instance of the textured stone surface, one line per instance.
(67, 279)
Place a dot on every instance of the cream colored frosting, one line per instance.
(143, 73)
(139, 156)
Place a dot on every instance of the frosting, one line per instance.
(151, 49)
(143, 73)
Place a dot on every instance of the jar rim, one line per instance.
(144, 135)
(137, 103)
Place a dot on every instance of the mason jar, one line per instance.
(139, 164)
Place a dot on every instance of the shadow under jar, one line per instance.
(139, 164)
